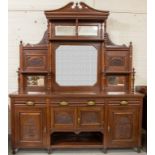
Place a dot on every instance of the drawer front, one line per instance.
(77, 101)
(124, 101)
(30, 101)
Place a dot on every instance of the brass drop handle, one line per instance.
(124, 103)
(108, 128)
(44, 130)
(63, 103)
(91, 103)
(78, 120)
(30, 103)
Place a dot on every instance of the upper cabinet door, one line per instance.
(35, 60)
(90, 117)
(117, 61)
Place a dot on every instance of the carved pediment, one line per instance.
(77, 9)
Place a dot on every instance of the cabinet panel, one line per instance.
(63, 117)
(30, 126)
(90, 117)
(117, 61)
(123, 125)
(35, 60)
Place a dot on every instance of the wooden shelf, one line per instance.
(77, 145)
(77, 39)
(70, 139)
(117, 72)
(34, 72)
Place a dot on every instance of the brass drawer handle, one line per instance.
(78, 120)
(63, 103)
(109, 128)
(91, 103)
(29, 103)
(124, 103)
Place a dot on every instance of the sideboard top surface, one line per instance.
(69, 94)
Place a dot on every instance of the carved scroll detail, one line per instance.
(63, 118)
(123, 128)
(116, 61)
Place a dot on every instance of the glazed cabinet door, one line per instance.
(90, 117)
(123, 128)
(30, 126)
(63, 117)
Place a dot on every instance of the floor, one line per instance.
(81, 152)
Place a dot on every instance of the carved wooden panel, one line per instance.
(30, 126)
(117, 61)
(122, 125)
(90, 117)
(63, 117)
(35, 60)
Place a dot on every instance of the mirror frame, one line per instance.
(57, 87)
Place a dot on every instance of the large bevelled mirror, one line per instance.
(76, 65)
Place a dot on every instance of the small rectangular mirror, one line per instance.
(88, 30)
(116, 80)
(65, 30)
(117, 83)
(35, 81)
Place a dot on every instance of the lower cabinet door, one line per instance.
(63, 118)
(90, 117)
(123, 125)
(30, 126)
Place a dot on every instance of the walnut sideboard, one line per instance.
(76, 121)
(76, 87)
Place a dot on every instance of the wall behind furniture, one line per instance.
(127, 22)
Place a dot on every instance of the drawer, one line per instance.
(77, 101)
(30, 100)
(124, 101)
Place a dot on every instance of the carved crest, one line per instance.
(77, 9)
